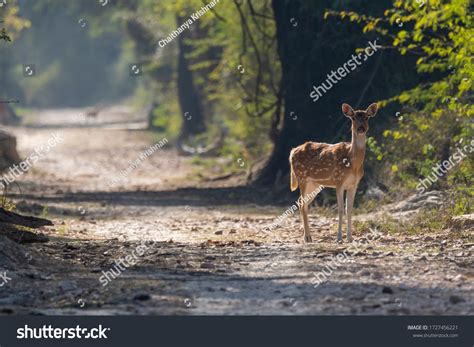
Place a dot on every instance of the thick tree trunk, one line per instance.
(11, 223)
(8, 115)
(302, 120)
(8, 152)
(9, 217)
(190, 101)
(144, 41)
(310, 47)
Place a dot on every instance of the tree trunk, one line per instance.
(309, 48)
(302, 121)
(11, 224)
(188, 96)
(8, 152)
(8, 115)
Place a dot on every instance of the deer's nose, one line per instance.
(361, 129)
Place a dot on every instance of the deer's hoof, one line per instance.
(349, 239)
(308, 239)
(339, 240)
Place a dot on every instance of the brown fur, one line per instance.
(322, 162)
(341, 166)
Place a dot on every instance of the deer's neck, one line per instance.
(357, 149)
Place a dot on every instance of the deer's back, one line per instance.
(325, 163)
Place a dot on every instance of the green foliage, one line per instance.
(75, 65)
(12, 22)
(236, 70)
(464, 201)
(424, 223)
(436, 115)
(4, 36)
(45, 212)
(8, 204)
(244, 82)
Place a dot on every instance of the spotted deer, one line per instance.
(93, 112)
(339, 166)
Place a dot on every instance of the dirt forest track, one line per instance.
(205, 249)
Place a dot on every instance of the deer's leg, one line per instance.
(349, 205)
(340, 208)
(304, 216)
(306, 198)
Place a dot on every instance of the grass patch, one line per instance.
(219, 166)
(425, 222)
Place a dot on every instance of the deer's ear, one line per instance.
(347, 110)
(372, 109)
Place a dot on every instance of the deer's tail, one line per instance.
(293, 179)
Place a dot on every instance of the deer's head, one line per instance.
(360, 119)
